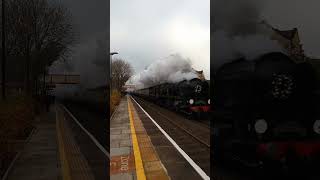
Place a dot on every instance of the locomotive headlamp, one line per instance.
(316, 126)
(208, 101)
(261, 126)
(191, 101)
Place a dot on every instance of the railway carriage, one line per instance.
(189, 96)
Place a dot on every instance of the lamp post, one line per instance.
(3, 83)
(111, 54)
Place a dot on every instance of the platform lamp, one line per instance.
(3, 63)
(111, 54)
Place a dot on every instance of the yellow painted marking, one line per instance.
(63, 158)
(137, 155)
(122, 164)
(73, 163)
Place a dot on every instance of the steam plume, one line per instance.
(173, 69)
(89, 60)
(238, 31)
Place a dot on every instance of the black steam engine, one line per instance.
(190, 97)
(266, 112)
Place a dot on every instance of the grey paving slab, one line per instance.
(39, 158)
(114, 144)
(120, 151)
(126, 131)
(115, 131)
(120, 139)
(122, 176)
(125, 143)
(120, 136)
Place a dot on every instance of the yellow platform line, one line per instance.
(136, 150)
(66, 174)
(154, 169)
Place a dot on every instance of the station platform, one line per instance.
(53, 151)
(140, 150)
(132, 153)
(39, 158)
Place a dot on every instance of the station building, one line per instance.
(290, 41)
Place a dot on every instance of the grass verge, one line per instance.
(115, 100)
(16, 122)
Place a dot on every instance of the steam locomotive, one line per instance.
(189, 96)
(266, 112)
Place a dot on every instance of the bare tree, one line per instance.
(121, 72)
(100, 60)
(40, 32)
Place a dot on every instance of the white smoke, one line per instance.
(89, 60)
(238, 32)
(228, 48)
(172, 69)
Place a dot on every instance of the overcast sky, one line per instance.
(90, 21)
(297, 13)
(143, 31)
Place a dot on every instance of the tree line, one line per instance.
(121, 71)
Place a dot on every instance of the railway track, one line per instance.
(192, 136)
(178, 124)
(92, 121)
(90, 136)
(205, 123)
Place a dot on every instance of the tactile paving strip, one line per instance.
(74, 164)
(153, 167)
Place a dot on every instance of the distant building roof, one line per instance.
(200, 74)
(288, 34)
(294, 48)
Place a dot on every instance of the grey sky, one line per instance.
(236, 30)
(143, 31)
(90, 17)
(90, 20)
(146, 30)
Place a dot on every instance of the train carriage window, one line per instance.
(151, 91)
(173, 90)
(157, 91)
(177, 91)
